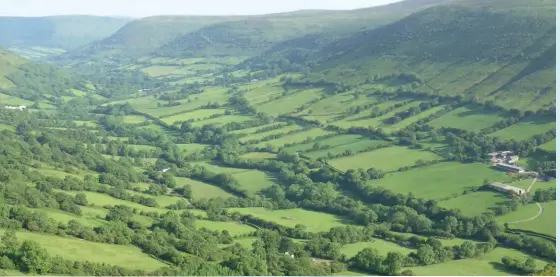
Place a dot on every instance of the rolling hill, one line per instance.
(502, 51)
(256, 34)
(54, 34)
(144, 35)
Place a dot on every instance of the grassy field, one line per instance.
(234, 228)
(332, 142)
(386, 159)
(544, 224)
(252, 130)
(364, 119)
(195, 115)
(81, 123)
(102, 200)
(202, 190)
(527, 128)
(133, 119)
(355, 147)
(262, 135)
(314, 221)
(218, 121)
(252, 181)
(440, 180)
(487, 265)
(88, 217)
(410, 120)
(384, 247)
(475, 203)
(549, 146)
(191, 147)
(259, 156)
(290, 102)
(219, 169)
(295, 137)
(468, 118)
(80, 250)
(12, 100)
(7, 127)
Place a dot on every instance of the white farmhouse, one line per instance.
(21, 108)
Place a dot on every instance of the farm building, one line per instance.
(503, 157)
(507, 188)
(509, 167)
(21, 108)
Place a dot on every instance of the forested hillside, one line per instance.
(41, 36)
(503, 51)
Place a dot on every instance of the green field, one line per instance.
(474, 203)
(88, 217)
(81, 250)
(289, 103)
(355, 147)
(544, 224)
(252, 130)
(12, 100)
(384, 247)
(295, 137)
(468, 118)
(133, 119)
(386, 159)
(527, 128)
(332, 142)
(234, 228)
(202, 190)
(102, 200)
(262, 135)
(365, 119)
(410, 120)
(7, 127)
(195, 115)
(218, 121)
(440, 180)
(258, 155)
(487, 265)
(549, 146)
(314, 221)
(252, 181)
(191, 147)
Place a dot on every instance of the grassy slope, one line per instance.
(80, 250)
(437, 44)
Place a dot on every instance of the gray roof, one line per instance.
(510, 166)
(506, 187)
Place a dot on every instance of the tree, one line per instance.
(33, 258)
(393, 263)
(426, 255)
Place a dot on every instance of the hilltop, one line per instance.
(144, 35)
(54, 34)
(256, 34)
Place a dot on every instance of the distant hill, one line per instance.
(256, 34)
(64, 32)
(33, 81)
(500, 50)
(144, 35)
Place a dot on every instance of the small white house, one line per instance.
(21, 108)
(165, 170)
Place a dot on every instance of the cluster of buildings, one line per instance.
(505, 160)
(20, 108)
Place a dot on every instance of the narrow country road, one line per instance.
(529, 219)
(534, 181)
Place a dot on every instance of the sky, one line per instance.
(143, 8)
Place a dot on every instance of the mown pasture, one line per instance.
(314, 221)
(441, 180)
(386, 159)
(81, 250)
(202, 190)
(475, 203)
(527, 128)
(468, 118)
